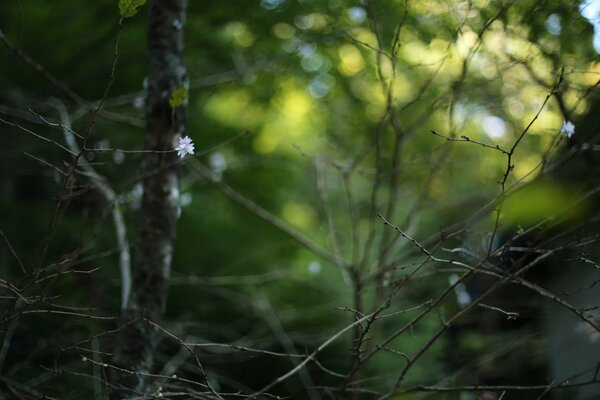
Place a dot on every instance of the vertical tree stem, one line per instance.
(136, 347)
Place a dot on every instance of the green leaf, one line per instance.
(178, 96)
(128, 8)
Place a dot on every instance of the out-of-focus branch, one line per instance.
(320, 172)
(66, 89)
(199, 168)
(311, 356)
(111, 198)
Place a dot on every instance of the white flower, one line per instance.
(185, 147)
(568, 129)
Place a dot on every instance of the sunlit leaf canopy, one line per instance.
(461, 68)
(317, 102)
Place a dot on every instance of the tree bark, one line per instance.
(137, 342)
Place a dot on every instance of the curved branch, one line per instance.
(110, 196)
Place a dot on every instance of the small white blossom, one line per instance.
(568, 129)
(185, 147)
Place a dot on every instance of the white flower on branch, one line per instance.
(568, 129)
(186, 146)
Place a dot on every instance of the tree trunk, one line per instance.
(135, 349)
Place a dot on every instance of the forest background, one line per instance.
(358, 167)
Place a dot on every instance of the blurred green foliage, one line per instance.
(312, 84)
